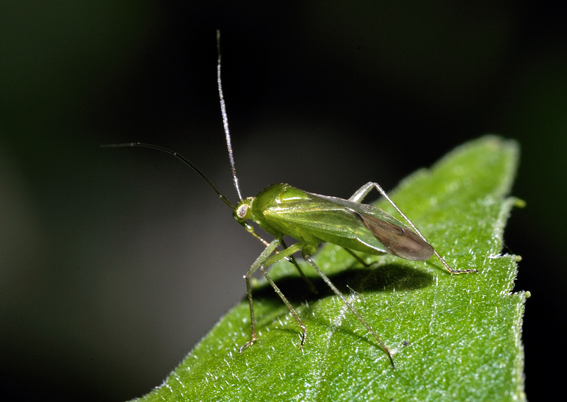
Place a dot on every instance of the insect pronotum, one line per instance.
(281, 209)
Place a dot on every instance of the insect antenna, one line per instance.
(225, 119)
(178, 156)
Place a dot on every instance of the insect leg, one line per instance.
(266, 259)
(306, 279)
(273, 259)
(288, 305)
(259, 261)
(351, 308)
(356, 257)
(363, 191)
(290, 258)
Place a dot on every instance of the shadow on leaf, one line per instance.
(385, 278)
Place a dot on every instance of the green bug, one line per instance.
(311, 219)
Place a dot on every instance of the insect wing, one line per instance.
(398, 240)
(314, 215)
(394, 235)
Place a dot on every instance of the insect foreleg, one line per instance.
(266, 259)
(290, 258)
(259, 261)
(363, 191)
(350, 307)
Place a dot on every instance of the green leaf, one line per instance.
(454, 337)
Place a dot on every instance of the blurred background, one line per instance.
(115, 262)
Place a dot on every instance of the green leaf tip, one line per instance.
(455, 337)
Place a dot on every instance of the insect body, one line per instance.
(312, 219)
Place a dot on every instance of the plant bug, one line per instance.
(281, 210)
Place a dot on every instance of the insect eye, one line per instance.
(241, 211)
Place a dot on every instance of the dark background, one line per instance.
(114, 263)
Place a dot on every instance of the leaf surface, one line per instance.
(454, 337)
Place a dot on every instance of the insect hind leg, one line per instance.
(363, 191)
(350, 307)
